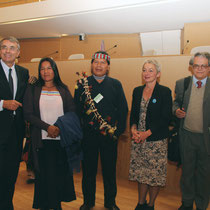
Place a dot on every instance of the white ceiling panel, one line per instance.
(52, 18)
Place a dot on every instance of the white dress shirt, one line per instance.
(14, 77)
(203, 81)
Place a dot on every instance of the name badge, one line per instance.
(98, 98)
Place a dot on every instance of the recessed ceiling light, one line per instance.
(64, 35)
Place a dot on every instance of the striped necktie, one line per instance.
(199, 83)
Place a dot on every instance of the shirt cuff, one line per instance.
(1, 105)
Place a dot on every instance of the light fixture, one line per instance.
(63, 35)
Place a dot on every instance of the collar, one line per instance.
(5, 67)
(99, 78)
(195, 81)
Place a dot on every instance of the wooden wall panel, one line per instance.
(128, 45)
(198, 35)
(37, 48)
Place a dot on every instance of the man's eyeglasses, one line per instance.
(11, 48)
(196, 66)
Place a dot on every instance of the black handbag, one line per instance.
(173, 140)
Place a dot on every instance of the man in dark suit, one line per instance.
(13, 81)
(195, 133)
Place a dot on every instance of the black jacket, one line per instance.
(113, 104)
(6, 116)
(159, 111)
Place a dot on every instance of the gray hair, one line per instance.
(200, 54)
(11, 39)
(154, 62)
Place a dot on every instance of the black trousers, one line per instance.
(93, 144)
(10, 153)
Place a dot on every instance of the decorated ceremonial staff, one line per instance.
(102, 107)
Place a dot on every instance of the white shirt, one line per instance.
(14, 77)
(203, 81)
(51, 107)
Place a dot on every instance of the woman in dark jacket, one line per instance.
(150, 116)
(43, 103)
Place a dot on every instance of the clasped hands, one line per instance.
(53, 131)
(140, 136)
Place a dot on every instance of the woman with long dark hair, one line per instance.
(45, 101)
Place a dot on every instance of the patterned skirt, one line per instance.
(148, 162)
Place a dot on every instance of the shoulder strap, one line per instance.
(186, 84)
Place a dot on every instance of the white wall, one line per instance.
(161, 43)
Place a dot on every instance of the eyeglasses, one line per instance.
(196, 66)
(11, 48)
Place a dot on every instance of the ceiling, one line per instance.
(52, 18)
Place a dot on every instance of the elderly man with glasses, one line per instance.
(192, 106)
(13, 82)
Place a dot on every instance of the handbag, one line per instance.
(173, 140)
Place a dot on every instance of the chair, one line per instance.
(76, 56)
(200, 49)
(35, 59)
(149, 53)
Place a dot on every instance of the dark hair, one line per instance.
(102, 52)
(200, 54)
(57, 79)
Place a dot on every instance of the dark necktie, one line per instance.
(199, 83)
(11, 81)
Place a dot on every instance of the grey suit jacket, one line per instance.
(206, 107)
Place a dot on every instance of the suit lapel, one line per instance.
(4, 81)
(18, 80)
(206, 112)
(187, 95)
(207, 91)
(36, 96)
(154, 95)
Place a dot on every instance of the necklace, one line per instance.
(90, 108)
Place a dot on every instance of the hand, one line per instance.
(53, 131)
(32, 80)
(11, 104)
(135, 133)
(144, 135)
(180, 113)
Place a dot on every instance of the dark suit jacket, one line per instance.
(6, 116)
(159, 111)
(206, 107)
(32, 114)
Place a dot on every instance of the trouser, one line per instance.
(195, 179)
(10, 152)
(93, 144)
